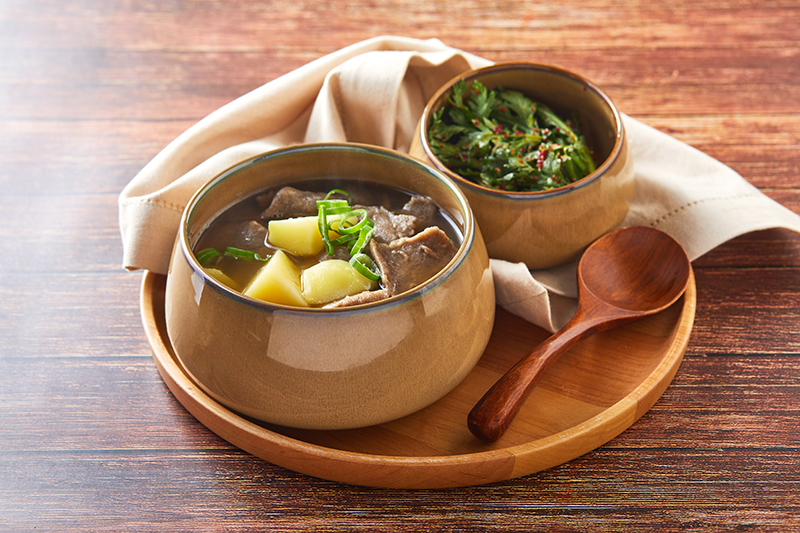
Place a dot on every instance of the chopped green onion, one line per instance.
(204, 256)
(344, 239)
(338, 210)
(339, 191)
(355, 228)
(344, 228)
(335, 207)
(365, 266)
(238, 253)
(322, 222)
(363, 239)
(360, 231)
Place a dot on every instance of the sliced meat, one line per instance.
(389, 226)
(290, 202)
(263, 200)
(360, 298)
(423, 209)
(246, 235)
(410, 261)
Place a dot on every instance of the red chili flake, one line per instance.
(498, 129)
(497, 169)
(476, 122)
(503, 109)
(541, 158)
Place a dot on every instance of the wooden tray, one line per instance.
(593, 393)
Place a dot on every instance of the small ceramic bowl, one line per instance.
(330, 368)
(547, 228)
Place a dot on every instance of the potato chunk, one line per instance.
(223, 278)
(298, 236)
(332, 280)
(277, 282)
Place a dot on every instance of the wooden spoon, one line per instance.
(625, 275)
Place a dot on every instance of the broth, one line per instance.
(408, 231)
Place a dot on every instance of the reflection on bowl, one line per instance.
(335, 368)
(552, 227)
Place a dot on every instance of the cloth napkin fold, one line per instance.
(374, 92)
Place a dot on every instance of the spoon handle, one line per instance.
(493, 413)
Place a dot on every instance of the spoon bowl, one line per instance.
(638, 268)
(625, 275)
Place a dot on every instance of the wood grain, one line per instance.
(593, 393)
(610, 295)
(93, 440)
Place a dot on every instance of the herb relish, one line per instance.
(503, 140)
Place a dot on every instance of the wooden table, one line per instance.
(93, 440)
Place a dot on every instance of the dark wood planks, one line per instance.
(90, 90)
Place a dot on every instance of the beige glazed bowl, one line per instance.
(330, 368)
(547, 228)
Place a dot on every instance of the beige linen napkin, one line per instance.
(374, 92)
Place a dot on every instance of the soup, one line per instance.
(328, 244)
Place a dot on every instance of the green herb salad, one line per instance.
(503, 140)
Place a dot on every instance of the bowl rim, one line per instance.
(477, 73)
(469, 227)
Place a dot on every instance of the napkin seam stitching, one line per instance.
(684, 207)
(155, 202)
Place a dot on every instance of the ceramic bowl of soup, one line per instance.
(541, 188)
(287, 327)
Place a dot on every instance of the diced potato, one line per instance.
(223, 278)
(277, 282)
(332, 280)
(298, 236)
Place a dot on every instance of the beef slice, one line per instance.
(410, 261)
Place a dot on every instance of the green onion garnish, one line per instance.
(238, 253)
(322, 222)
(355, 228)
(363, 238)
(349, 240)
(366, 266)
(339, 191)
(346, 227)
(204, 256)
(335, 207)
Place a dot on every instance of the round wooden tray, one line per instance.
(589, 396)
